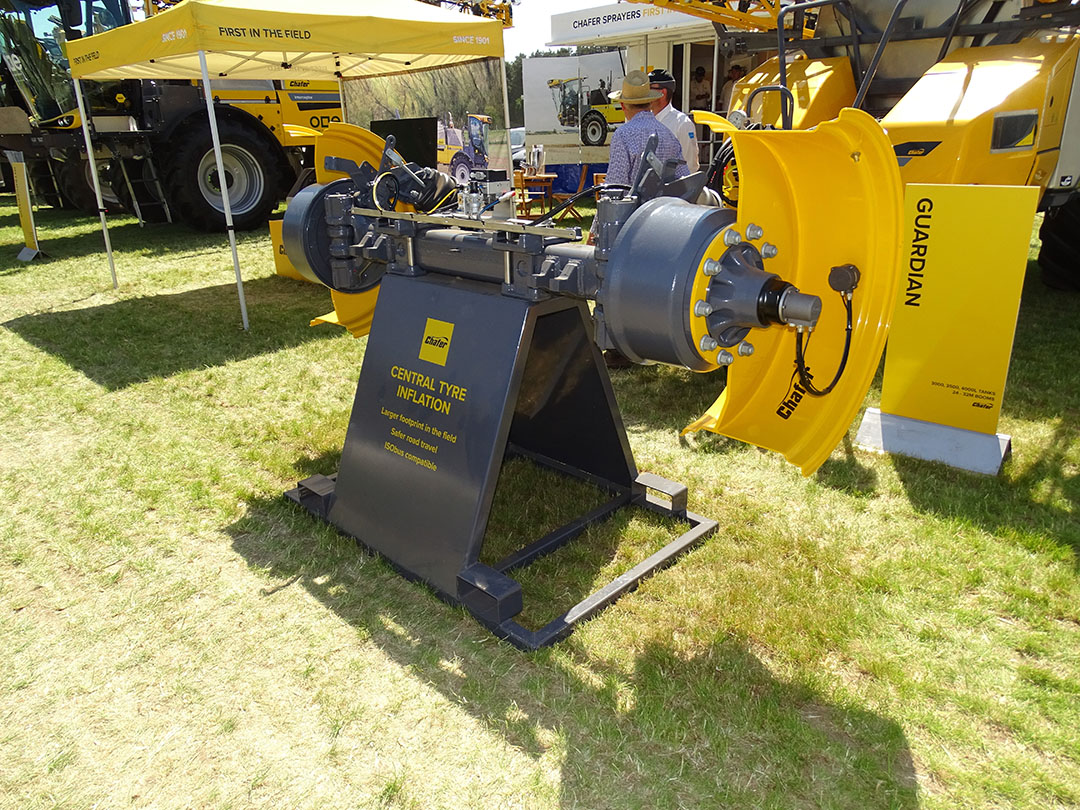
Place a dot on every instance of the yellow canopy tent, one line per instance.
(275, 39)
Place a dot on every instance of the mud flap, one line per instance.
(824, 197)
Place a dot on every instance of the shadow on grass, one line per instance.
(1036, 506)
(69, 235)
(1044, 357)
(131, 341)
(710, 727)
(665, 397)
(848, 474)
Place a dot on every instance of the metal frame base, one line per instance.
(493, 598)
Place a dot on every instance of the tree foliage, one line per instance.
(515, 88)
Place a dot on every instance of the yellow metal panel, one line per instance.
(354, 311)
(22, 198)
(282, 265)
(943, 126)
(308, 108)
(965, 251)
(821, 87)
(825, 197)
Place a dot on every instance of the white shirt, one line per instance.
(683, 128)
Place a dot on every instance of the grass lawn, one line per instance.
(886, 633)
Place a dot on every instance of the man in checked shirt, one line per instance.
(630, 139)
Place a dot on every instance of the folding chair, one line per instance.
(561, 198)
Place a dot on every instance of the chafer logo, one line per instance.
(435, 346)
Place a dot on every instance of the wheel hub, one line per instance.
(243, 178)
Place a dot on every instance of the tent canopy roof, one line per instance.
(286, 39)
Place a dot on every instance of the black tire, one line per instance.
(723, 175)
(149, 205)
(460, 168)
(593, 128)
(1059, 254)
(8, 175)
(76, 186)
(251, 163)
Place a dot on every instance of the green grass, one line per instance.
(887, 633)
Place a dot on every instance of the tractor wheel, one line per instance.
(593, 129)
(77, 185)
(149, 205)
(8, 175)
(252, 176)
(1059, 256)
(460, 169)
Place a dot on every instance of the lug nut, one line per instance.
(754, 231)
(712, 267)
(732, 237)
(768, 250)
(725, 358)
(703, 309)
(708, 344)
(745, 349)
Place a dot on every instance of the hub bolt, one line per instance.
(708, 344)
(732, 237)
(712, 267)
(745, 349)
(725, 358)
(754, 231)
(768, 250)
(703, 309)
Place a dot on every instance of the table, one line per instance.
(536, 188)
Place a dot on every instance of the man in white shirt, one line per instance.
(678, 122)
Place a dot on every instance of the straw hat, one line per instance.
(635, 89)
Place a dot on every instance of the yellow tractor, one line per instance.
(591, 111)
(459, 152)
(155, 149)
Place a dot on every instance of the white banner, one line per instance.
(615, 20)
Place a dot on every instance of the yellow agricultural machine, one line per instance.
(153, 142)
(975, 92)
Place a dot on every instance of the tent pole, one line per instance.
(97, 183)
(506, 120)
(209, 96)
(341, 93)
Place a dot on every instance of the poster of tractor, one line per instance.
(590, 110)
(466, 100)
(567, 108)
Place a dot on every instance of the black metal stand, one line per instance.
(456, 377)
